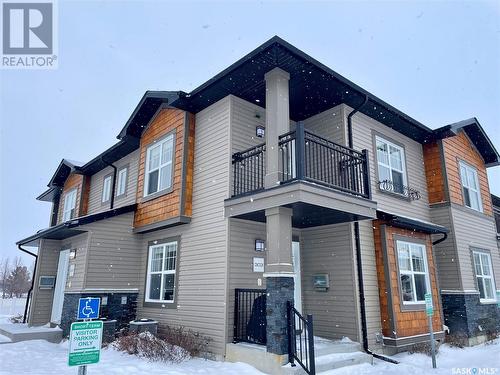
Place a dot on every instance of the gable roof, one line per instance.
(63, 170)
(478, 137)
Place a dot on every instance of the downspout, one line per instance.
(113, 184)
(445, 236)
(32, 281)
(359, 267)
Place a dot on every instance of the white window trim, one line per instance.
(163, 272)
(403, 161)
(160, 165)
(411, 273)
(491, 276)
(66, 211)
(470, 169)
(119, 185)
(106, 189)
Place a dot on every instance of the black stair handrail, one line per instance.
(300, 329)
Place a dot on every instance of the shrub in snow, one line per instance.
(424, 348)
(195, 343)
(153, 348)
(457, 339)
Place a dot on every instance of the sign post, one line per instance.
(85, 337)
(429, 309)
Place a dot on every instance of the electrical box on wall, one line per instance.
(47, 282)
(321, 282)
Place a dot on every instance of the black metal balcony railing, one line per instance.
(305, 156)
(250, 316)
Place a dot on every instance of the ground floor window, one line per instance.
(413, 271)
(162, 264)
(484, 275)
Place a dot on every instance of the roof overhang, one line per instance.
(314, 88)
(63, 170)
(476, 134)
(71, 228)
(49, 194)
(411, 223)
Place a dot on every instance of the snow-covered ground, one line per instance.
(47, 358)
(10, 307)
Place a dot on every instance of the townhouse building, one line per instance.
(277, 188)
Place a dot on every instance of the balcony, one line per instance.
(304, 156)
(323, 182)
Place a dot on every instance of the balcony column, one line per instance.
(277, 121)
(279, 277)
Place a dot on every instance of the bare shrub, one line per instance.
(153, 348)
(457, 339)
(193, 342)
(424, 348)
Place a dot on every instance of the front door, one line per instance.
(62, 274)
(297, 291)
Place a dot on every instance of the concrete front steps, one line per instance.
(10, 333)
(331, 355)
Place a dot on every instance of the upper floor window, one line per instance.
(121, 186)
(69, 205)
(470, 187)
(162, 264)
(413, 271)
(391, 166)
(158, 167)
(484, 276)
(106, 189)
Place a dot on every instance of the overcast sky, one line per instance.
(439, 62)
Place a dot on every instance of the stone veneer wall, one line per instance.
(279, 291)
(113, 310)
(464, 314)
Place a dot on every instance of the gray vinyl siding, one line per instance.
(242, 236)
(362, 127)
(41, 305)
(478, 231)
(202, 270)
(329, 249)
(370, 281)
(445, 253)
(80, 244)
(114, 255)
(245, 117)
(97, 180)
(329, 124)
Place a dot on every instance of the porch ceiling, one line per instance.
(312, 205)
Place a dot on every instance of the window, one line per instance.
(159, 166)
(470, 187)
(413, 272)
(484, 276)
(160, 283)
(69, 206)
(391, 166)
(122, 182)
(106, 189)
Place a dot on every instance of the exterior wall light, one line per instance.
(260, 245)
(260, 131)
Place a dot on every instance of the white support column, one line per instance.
(277, 121)
(279, 242)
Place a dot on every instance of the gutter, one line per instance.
(113, 184)
(32, 281)
(359, 266)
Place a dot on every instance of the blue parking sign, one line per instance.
(88, 308)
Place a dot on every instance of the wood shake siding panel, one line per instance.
(202, 270)
(74, 181)
(329, 249)
(80, 244)
(473, 230)
(436, 181)
(364, 128)
(406, 322)
(445, 252)
(371, 287)
(41, 305)
(460, 148)
(114, 255)
(165, 206)
(97, 181)
(242, 236)
(329, 124)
